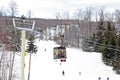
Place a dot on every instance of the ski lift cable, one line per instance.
(99, 44)
(108, 46)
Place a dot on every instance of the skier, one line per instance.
(45, 49)
(60, 64)
(107, 78)
(63, 73)
(79, 73)
(99, 78)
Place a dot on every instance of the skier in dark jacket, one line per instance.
(107, 78)
(99, 78)
(63, 73)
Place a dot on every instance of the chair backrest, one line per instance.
(23, 24)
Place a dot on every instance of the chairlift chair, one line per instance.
(60, 53)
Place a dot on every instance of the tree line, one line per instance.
(12, 11)
(105, 40)
(83, 14)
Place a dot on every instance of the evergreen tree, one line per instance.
(93, 43)
(99, 35)
(116, 60)
(88, 44)
(31, 48)
(109, 43)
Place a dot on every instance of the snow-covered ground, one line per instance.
(78, 66)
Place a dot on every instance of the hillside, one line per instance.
(86, 27)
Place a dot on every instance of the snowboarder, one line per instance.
(63, 73)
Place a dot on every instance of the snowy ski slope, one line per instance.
(78, 66)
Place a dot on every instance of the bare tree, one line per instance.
(4, 56)
(109, 16)
(88, 13)
(79, 17)
(117, 18)
(79, 14)
(96, 10)
(66, 15)
(101, 12)
(117, 15)
(62, 15)
(3, 12)
(13, 9)
(29, 14)
(88, 17)
(14, 46)
(57, 15)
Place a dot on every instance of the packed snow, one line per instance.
(79, 65)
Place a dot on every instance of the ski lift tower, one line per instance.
(23, 25)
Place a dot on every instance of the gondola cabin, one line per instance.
(60, 53)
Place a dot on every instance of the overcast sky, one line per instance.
(48, 8)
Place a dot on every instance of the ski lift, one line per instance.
(60, 53)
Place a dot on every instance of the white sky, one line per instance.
(48, 8)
